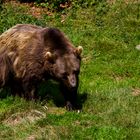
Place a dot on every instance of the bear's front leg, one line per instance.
(70, 96)
(30, 90)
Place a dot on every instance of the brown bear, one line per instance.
(30, 54)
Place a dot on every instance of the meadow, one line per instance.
(109, 90)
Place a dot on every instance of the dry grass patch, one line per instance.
(28, 116)
(136, 92)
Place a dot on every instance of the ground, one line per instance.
(109, 91)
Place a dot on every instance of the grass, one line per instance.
(109, 80)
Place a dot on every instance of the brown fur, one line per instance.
(30, 53)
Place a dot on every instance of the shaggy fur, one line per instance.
(29, 54)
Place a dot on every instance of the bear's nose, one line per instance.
(72, 81)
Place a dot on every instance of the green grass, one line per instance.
(109, 80)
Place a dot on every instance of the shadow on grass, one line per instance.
(49, 93)
(4, 92)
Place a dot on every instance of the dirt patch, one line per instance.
(18, 118)
(31, 8)
(32, 115)
(136, 92)
(38, 11)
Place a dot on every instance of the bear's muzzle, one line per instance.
(72, 81)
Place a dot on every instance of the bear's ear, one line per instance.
(49, 56)
(79, 50)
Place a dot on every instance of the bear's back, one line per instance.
(18, 36)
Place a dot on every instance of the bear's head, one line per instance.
(66, 68)
(62, 59)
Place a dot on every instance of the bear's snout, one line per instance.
(72, 81)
